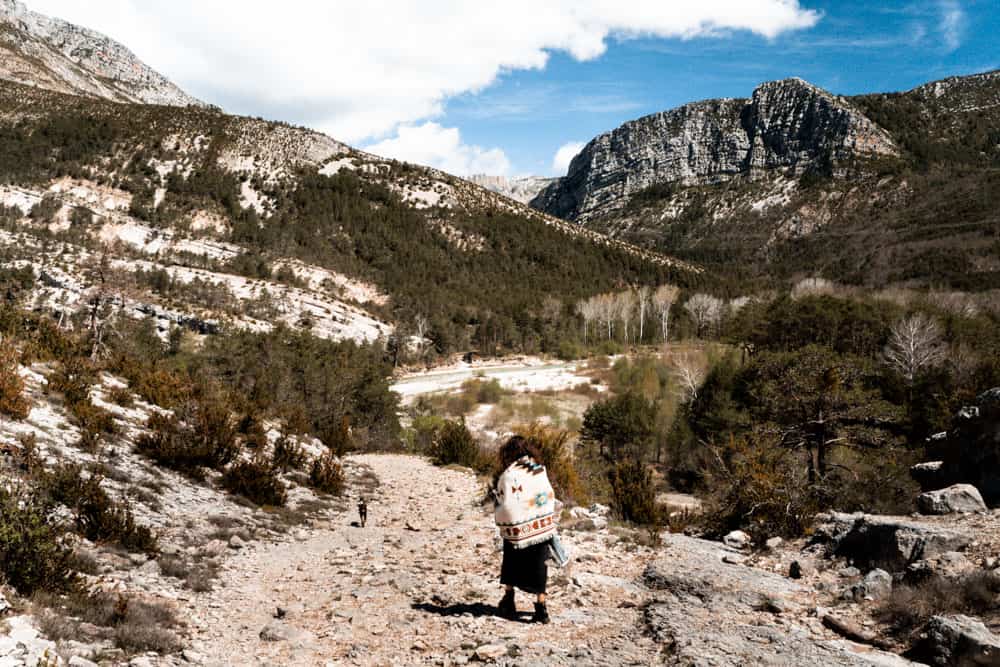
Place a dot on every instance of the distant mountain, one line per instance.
(786, 124)
(522, 189)
(889, 188)
(50, 53)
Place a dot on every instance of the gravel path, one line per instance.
(418, 585)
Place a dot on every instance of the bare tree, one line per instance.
(421, 328)
(705, 310)
(608, 309)
(690, 375)
(664, 298)
(915, 343)
(624, 309)
(585, 309)
(644, 297)
(551, 309)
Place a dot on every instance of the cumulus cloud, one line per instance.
(565, 155)
(441, 147)
(361, 70)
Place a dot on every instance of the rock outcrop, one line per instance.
(887, 542)
(970, 452)
(958, 641)
(519, 189)
(786, 124)
(57, 55)
(956, 499)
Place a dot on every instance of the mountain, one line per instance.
(895, 188)
(50, 53)
(789, 123)
(522, 189)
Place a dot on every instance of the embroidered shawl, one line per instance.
(526, 504)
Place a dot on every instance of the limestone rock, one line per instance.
(51, 53)
(958, 641)
(737, 540)
(236, 542)
(490, 652)
(971, 451)
(787, 124)
(77, 661)
(877, 585)
(887, 542)
(958, 498)
(928, 475)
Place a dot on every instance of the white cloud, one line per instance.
(359, 70)
(565, 155)
(952, 24)
(441, 147)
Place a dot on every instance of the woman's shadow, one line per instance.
(476, 609)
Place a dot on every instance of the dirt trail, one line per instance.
(418, 585)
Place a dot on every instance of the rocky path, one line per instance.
(418, 585)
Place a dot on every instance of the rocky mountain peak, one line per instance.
(522, 189)
(788, 124)
(56, 55)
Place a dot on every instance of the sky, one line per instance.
(518, 87)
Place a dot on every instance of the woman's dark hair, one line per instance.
(517, 447)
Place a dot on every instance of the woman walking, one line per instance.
(526, 516)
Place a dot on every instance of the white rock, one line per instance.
(959, 498)
(236, 542)
(737, 540)
(490, 651)
(77, 661)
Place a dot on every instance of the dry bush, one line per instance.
(121, 396)
(13, 403)
(288, 454)
(327, 475)
(557, 456)
(205, 439)
(909, 607)
(135, 625)
(256, 480)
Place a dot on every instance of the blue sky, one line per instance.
(500, 88)
(855, 47)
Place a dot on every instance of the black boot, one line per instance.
(541, 613)
(507, 608)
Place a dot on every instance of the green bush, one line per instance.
(454, 444)
(327, 474)
(256, 480)
(32, 555)
(633, 496)
(12, 400)
(98, 517)
(203, 437)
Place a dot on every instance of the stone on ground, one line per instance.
(956, 499)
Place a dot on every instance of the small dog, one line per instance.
(363, 512)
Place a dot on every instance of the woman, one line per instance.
(526, 516)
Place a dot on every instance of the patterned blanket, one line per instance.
(526, 505)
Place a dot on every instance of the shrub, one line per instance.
(32, 555)
(481, 391)
(121, 396)
(909, 607)
(12, 400)
(553, 444)
(633, 496)
(423, 431)
(455, 444)
(256, 480)
(288, 454)
(98, 517)
(327, 474)
(206, 438)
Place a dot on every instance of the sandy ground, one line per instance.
(524, 375)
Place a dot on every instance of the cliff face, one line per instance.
(787, 124)
(50, 53)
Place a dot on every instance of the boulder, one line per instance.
(958, 498)
(887, 542)
(236, 542)
(957, 641)
(774, 543)
(737, 540)
(877, 585)
(77, 661)
(970, 453)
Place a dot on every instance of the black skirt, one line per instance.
(525, 568)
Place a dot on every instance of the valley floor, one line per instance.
(418, 585)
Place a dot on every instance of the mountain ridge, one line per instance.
(57, 55)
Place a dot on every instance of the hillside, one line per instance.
(50, 53)
(263, 221)
(875, 190)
